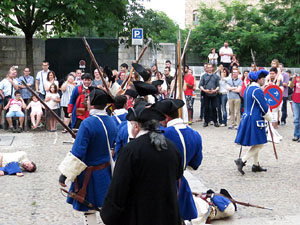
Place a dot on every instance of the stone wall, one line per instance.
(166, 51)
(13, 52)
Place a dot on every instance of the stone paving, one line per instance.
(36, 199)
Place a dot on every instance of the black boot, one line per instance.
(258, 168)
(240, 164)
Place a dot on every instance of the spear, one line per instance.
(97, 66)
(235, 201)
(50, 110)
(127, 80)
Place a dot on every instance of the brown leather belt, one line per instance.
(88, 172)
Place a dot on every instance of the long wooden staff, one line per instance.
(127, 80)
(185, 45)
(237, 202)
(50, 110)
(179, 77)
(274, 148)
(97, 66)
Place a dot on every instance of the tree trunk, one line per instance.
(29, 52)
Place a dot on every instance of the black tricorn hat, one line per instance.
(142, 71)
(157, 82)
(141, 113)
(99, 96)
(144, 89)
(168, 106)
(86, 76)
(131, 93)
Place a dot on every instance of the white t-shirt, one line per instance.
(48, 83)
(213, 58)
(225, 58)
(52, 104)
(36, 106)
(7, 87)
(14, 105)
(42, 78)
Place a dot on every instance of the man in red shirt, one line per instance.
(296, 106)
(189, 87)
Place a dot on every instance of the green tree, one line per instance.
(31, 16)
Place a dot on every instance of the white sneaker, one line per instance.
(222, 125)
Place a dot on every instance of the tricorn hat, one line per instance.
(142, 113)
(144, 89)
(157, 82)
(254, 76)
(142, 71)
(99, 96)
(131, 93)
(168, 106)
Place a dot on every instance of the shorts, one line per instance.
(49, 114)
(65, 109)
(35, 113)
(15, 114)
(189, 101)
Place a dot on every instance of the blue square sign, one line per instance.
(137, 36)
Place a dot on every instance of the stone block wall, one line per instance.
(165, 51)
(13, 52)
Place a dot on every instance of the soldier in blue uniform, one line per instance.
(252, 130)
(91, 155)
(189, 142)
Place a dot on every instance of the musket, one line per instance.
(97, 66)
(50, 110)
(185, 45)
(179, 73)
(127, 80)
(274, 148)
(82, 201)
(235, 201)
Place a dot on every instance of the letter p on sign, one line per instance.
(137, 36)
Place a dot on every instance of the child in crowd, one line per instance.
(36, 111)
(15, 106)
(52, 100)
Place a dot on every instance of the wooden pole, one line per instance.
(50, 110)
(185, 45)
(179, 78)
(97, 66)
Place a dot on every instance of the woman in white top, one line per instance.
(51, 79)
(213, 58)
(67, 89)
(52, 100)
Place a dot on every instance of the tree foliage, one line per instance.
(270, 29)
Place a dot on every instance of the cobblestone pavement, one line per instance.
(36, 199)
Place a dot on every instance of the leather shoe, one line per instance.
(258, 168)
(216, 125)
(205, 124)
(240, 164)
(295, 139)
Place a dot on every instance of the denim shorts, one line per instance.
(15, 114)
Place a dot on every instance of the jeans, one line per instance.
(208, 116)
(223, 107)
(296, 110)
(219, 102)
(284, 109)
(201, 107)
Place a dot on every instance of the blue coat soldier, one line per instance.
(88, 164)
(252, 130)
(189, 143)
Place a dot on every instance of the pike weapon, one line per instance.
(276, 157)
(50, 110)
(127, 80)
(96, 64)
(179, 79)
(235, 201)
(185, 45)
(83, 201)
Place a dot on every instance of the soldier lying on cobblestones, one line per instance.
(14, 163)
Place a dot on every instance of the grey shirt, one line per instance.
(234, 83)
(210, 82)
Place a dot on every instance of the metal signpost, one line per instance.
(137, 39)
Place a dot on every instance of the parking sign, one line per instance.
(137, 36)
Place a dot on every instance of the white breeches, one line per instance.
(253, 152)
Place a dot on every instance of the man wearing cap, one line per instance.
(252, 131)
(88, 164)
(77, 107)
(143, 190)
(189, 143)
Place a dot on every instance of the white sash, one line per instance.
(112, 162)
(183, 145)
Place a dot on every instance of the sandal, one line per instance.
(64, 131)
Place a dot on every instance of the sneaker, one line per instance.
(295, 139)
(190, 122)
(230, 127)
(19, 129)
(282, 123)
(222, 125)
(216, 124)
(236, 127)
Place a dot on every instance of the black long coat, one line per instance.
(143, 188)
